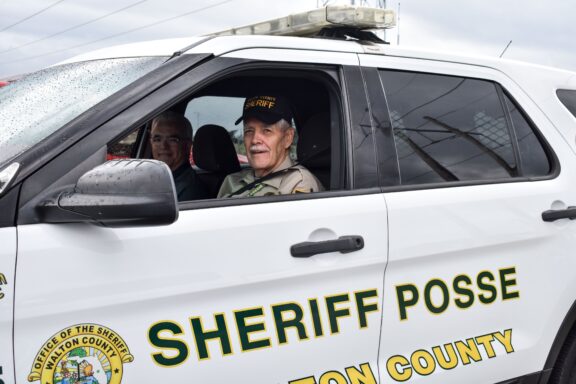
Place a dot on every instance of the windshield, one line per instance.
(38, 104)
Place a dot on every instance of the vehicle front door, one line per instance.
(216, 296)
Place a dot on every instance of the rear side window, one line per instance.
(568, 98)
(448, 128)
(533, 157)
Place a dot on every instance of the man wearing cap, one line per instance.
(268, 135)
(171, 141)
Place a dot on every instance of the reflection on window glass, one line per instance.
(123, 148)
(365, 173)
(568, 98)
(38, 104)
(532, 153)
(448, 128)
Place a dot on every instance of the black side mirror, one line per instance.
(118, 193)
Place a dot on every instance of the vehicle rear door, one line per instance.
(465, 296)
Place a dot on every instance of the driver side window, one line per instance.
(216, 147)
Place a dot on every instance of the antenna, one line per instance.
(398, 26)
(505, 49)
(382, 4)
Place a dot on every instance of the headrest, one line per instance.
(314, 141)
(214, 151)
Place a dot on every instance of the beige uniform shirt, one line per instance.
(296, 180)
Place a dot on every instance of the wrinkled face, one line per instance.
(266, 145)
(170, 145)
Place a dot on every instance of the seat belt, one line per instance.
(269, 176)
(274, 174)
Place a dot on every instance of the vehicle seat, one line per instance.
(314, 144)
(214, 152)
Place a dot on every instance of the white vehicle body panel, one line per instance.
(7, 279)
(210, 261)
(466, 231)
(294, 56)
(165, 47)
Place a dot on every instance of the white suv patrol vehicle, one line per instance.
(441, 251)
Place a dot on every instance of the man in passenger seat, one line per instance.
(268, 135)
(171, 141)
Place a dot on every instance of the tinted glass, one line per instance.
(363, 149)
(448, 128)
(123, 148)
(534, 160)
(568, 98)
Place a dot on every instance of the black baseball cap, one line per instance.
(268, 109)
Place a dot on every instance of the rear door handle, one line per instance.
(557, 214)
(344, 244)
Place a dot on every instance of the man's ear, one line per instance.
(289, 137)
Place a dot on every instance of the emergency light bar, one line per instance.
(310, 23)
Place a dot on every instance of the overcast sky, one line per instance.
(38, 33)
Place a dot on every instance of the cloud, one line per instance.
(541, 32)
(124, 27)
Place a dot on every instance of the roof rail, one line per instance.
(309, 24)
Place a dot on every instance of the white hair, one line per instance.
(283, 124)
(176, 120)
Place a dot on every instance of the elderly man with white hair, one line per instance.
(268, 135)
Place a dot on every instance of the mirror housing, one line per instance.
(118, 193)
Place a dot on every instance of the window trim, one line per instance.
(387, 170)
(355, 78)
(231, 202)
(334, 89)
